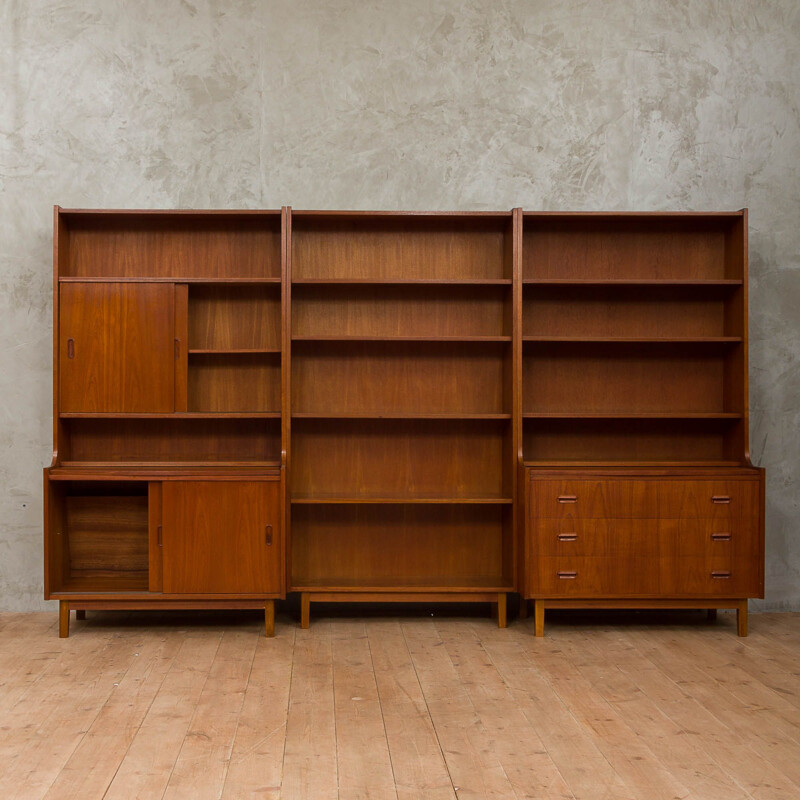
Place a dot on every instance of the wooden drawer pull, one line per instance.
(721, 498)
(720, 574)
(720, 537)
(567, 537)
(567, 498)
(268, 534)
(567, 575)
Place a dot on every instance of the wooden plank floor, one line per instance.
(614, 707)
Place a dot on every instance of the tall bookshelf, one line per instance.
(167, 482)
(402, 465)
(390, 406)
(634, 380)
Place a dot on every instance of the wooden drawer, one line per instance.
(711, 557)
(704, 499)
(590, 576)
(594, 499)
(595, 537)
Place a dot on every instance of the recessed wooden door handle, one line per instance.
(268, 534)
(177, 348)
(721, 498)
(567, 575)
(70, 348)
(567, 537)
(159, 538)
(567, 498)
(720, 574)
(720, 537)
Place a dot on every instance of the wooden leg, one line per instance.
(80, 613)
(741, 618)
(538, 618)
(305, 609)
(269, 618)
(523, 608)
(502, 619)
(712, 614)
(63, 619)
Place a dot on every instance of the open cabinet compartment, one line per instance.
(177, 441)
(98, 536)
(402, 547)
(462, 248)
(172, 245)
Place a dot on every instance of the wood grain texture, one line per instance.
(398, 545)
(173, 246)
(374, 377)
(399, 310)
(658, 705)
(208, 440)
(117, 347)
(626, 247)
(222, 537)
(234, 317)
(401, 459)
(397, 247)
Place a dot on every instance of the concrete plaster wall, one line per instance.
(418, 104)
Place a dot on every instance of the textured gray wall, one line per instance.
(418, 104)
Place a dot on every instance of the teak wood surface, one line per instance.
(388, 389)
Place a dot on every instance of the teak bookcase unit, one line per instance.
(639, 491)
(402, 460)
(380, 406)
(168, 478)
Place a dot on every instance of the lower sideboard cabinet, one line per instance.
(643, 541)
(163, 544)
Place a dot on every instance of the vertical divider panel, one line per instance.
(286, 387)
(181, 347)
(518, 472)
(155, 562)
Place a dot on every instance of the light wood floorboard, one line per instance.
(604, 707)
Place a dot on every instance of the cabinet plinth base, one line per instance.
(80, 606)
(712, 604)
(497, 599)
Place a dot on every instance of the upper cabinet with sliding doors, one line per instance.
(117, 347)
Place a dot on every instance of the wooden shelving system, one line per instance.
(402, 466)
(380, 406)
(168, 480)
(634, 406)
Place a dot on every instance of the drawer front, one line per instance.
(658, 537)
(718, 500)
(595, 537)
(600, 499)
(588, 576)
(712, 557)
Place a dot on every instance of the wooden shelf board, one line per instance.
(175, 415)
(630, 463)
(380, 415)
(401, 338)
(237, 351)
(636, 339)
(106, 471)
(405, 281)
(400, 500)
(418, 586)
(697, 282)
(656, 415)
(118, 584)
(78, 279)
